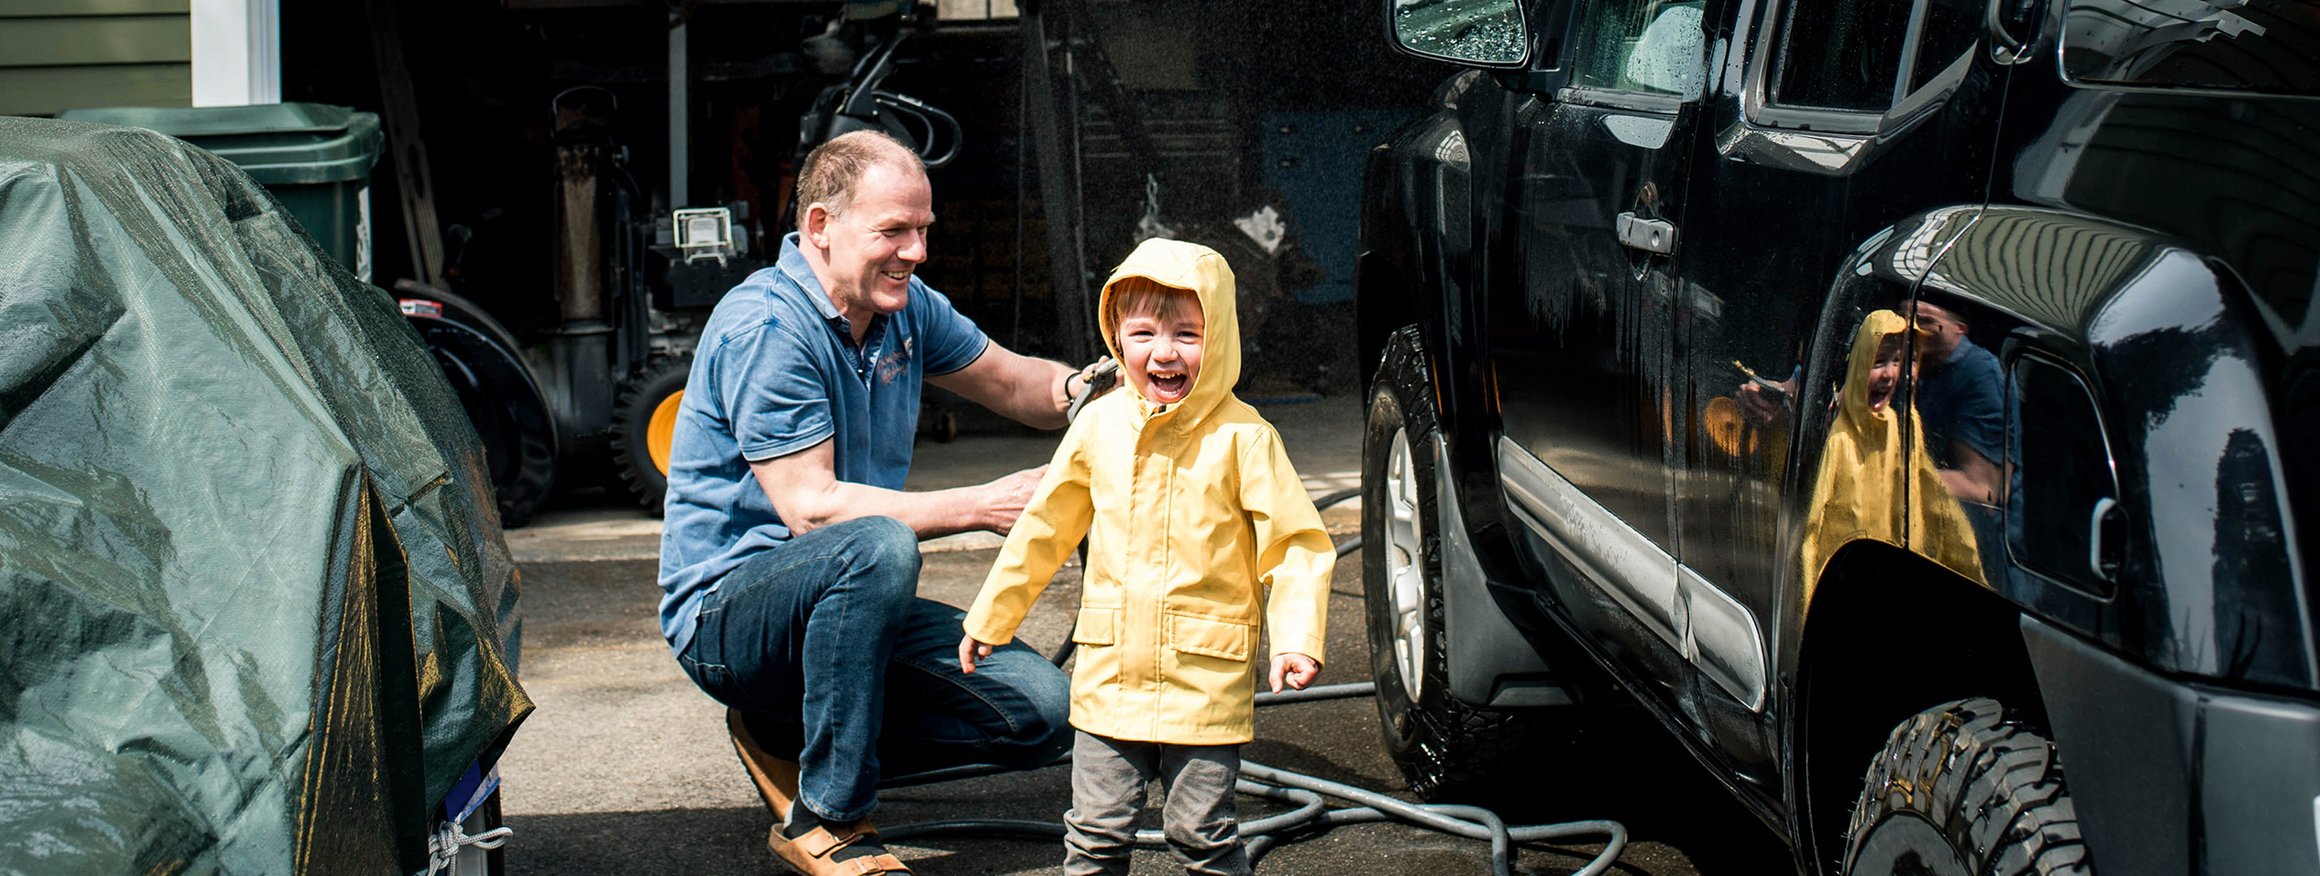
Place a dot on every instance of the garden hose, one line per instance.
(1309, 796)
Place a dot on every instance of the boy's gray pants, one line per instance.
(1108, 777)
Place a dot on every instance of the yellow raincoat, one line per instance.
(1198, 528)
(1858, 493)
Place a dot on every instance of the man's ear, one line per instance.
(816, 226)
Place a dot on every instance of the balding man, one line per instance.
(789, 562)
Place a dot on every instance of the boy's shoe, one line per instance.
(816, 848)
(776, 779)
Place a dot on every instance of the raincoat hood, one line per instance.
(1853, 399)
(1201, 271)
(1199, 534)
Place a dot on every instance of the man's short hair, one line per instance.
(1925, 309)
(833, 168)
(1141, 296)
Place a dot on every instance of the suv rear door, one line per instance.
(1838, 122)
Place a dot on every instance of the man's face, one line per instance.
(872, 247)
(1161, 354)
(1942, 330)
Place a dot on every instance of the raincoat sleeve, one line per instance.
(1049, 530)
(1294, 554)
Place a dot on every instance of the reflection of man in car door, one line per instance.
(1858, 492)
(1962, 402)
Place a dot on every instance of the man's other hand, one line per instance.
(1007, 496)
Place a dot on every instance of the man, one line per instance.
(789, 561)
(1961, 404)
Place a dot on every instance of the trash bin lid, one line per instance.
(275, 143)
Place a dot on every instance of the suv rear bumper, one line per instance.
(2172, 777)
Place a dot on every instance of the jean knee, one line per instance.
(885, 556)
(1046, 732)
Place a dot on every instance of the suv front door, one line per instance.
(1580, 320)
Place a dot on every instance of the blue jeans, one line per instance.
(831, 658)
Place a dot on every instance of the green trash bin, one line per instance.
(315, 158)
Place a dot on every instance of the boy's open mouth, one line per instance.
(1170, 384)
(1880, 396)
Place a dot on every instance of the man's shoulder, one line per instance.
(1976, 357)
(766, 300)
(926, 302)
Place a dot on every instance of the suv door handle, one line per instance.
(1650, 235)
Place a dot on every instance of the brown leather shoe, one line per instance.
(776, 779)
(813, 852)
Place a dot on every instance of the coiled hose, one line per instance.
(1309, 795)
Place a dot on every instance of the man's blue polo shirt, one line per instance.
(777, 372)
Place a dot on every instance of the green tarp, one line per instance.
(256, 615)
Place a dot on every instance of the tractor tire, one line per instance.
(1960, 789)
(1448, 750)
(644, 418)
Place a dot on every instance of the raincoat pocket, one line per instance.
(1097, 625)
(1210, 637)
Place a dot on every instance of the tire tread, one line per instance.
(1989, 783)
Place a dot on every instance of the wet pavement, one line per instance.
(625, 767)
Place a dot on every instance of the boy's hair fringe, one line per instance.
(1139, 296)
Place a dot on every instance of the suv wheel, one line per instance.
(1446, 748)
(1960, 789)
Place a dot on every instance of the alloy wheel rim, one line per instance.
(1405, 566)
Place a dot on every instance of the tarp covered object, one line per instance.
(256, 615)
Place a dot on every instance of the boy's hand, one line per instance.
(1295, 670)
(971, 650)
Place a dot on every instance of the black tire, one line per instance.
(1447, 749)
(643, 414)
(496, 389)
(1961, 789)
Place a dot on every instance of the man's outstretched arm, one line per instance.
(1021, 388)
(806, 492)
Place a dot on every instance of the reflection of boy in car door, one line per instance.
(1865, 463)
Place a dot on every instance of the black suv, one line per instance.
(1901, 398)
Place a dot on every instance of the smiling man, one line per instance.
(789, 561)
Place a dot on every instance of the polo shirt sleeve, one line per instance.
(1981, 412)
(773, 389)
(950, 341)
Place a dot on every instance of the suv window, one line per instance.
(2253, 45)
(1852, 55)
(2062, 480)
(1649, 46)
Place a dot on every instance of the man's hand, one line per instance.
(970, 651)
(1294, 669)
(1765, 401)
(1082, 386)
(1005, 498)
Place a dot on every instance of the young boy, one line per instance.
(1199, 530)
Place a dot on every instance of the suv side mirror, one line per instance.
(1476, 33)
